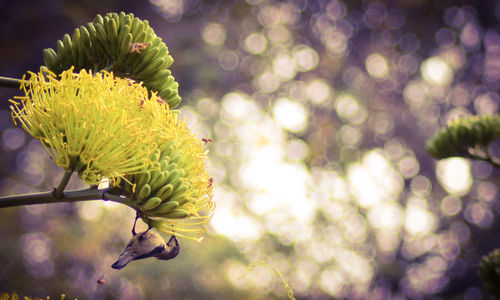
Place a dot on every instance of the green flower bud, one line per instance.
(462, 134)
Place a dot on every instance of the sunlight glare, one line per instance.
(318, 91)
(290, 115)
(214, 34)
(454, 174)
(436, 71)
(376, 65)
(418, 220)
(375, 180)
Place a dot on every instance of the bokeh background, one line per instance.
(319, 112)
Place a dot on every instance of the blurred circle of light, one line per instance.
(172, 10)
(336, 43)
(451, 206)
(238, 105)
(377, 66)
(408, 63)
(455, 57)
(350, 136)
(454, 17)
(479, 215)
(418, 220)
(368, 187)
(335, 10)
(236, 226)
(234, 270)
(269, 15)
(318, 91)
(394, 149)
(214, 34)
(283, 67)
(297, 150)
(333, 282)
(388, 241)
(454, 175)
(13, 138)
(280, 186)
(348, 108)
(267, 82)
(486, 103)
(290, 115)
(304, 270)
(355, 266)
(445, 37)
(255, 43)
(305, 58)
(228, 60)
(470, 35)
(436, 71)
(37, 248)
(261, 278)
(415, 93)
(386, 216)
(320, 251)
(383, 124)
(460, 95)
(208, 106)
(91, 211)
(408, 166)
(487, 191)
(410, 43)
(31, 164)
(279, 34)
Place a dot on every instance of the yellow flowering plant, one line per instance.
(101, 113)
(88, 123)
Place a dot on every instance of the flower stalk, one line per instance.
(67, 196)
(62, 185)
(10, 82)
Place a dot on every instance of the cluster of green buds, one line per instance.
(463, 134)
(123, 44)
(489, 271)
(102, 107)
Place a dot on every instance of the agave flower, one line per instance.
(87, 122)
(103, 126)
(175, 188)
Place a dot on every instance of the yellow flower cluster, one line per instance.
(89, 123)
(103, 126)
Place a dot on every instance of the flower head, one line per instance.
(104, 126)
(88, 122)
(175, 193)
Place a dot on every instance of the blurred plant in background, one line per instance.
(319, 113)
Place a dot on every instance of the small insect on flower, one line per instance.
(206, 140)
(138, 47)
(101, 281)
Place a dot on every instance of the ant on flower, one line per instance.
(138, 47)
